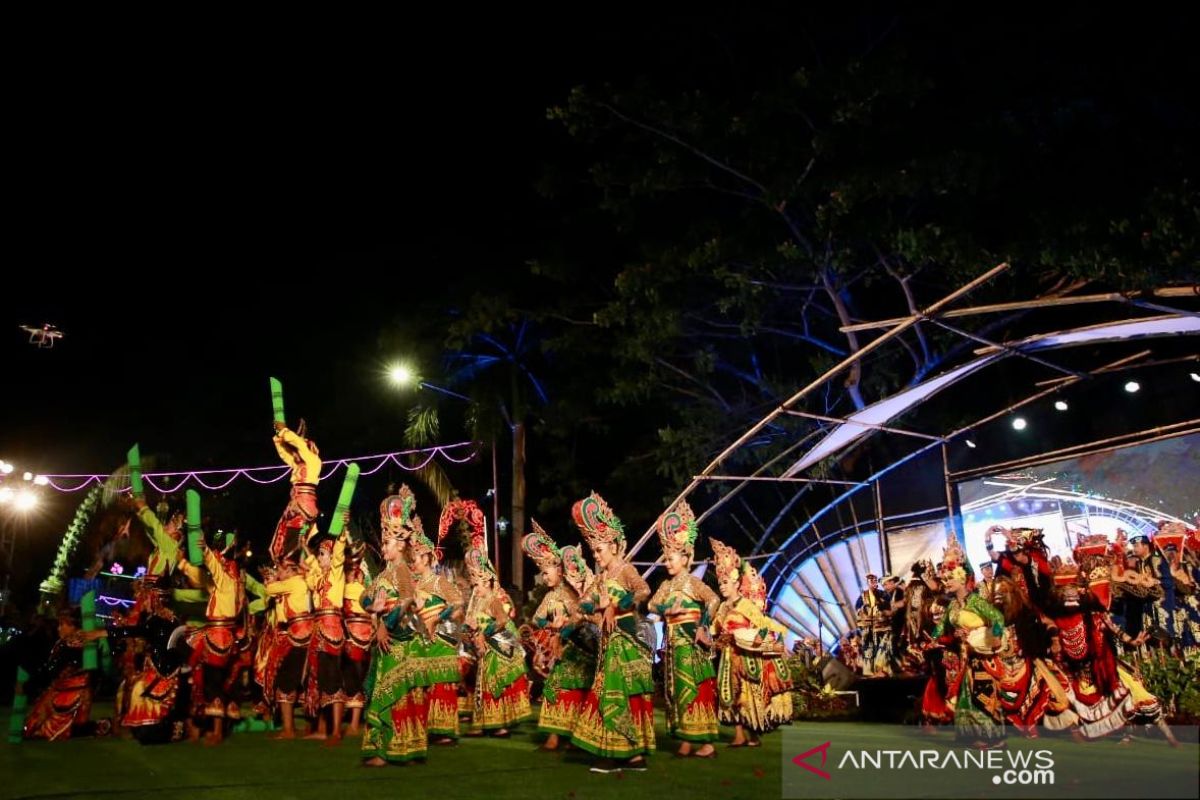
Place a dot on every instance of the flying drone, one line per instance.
(43, 336)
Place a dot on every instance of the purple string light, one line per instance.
(430, 454)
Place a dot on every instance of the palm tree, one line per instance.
(495, 371)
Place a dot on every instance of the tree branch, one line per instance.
(685, 374)
(854, 378)
(696, 151)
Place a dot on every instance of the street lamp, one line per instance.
(402, 375)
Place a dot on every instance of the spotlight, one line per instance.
(1196, 376)
(1061, 405)
(6, 494)
(971, 444)
(1019, 424)
(26, 500)
(41, 480)
(28, 476)
(6, 467)
(1132, 386)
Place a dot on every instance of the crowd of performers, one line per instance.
(1036, 642)
(418, 655)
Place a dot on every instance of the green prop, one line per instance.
(16, 721)
(277, 400)
(343, 504)
(194, 535)
(135, 472)
(87, 611)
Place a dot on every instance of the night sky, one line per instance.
(198, 219)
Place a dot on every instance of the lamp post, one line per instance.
(402, 376)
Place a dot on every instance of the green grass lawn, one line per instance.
(251, 766)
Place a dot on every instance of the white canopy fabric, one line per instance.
(888, 409)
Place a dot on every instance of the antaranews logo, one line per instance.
(883, 770)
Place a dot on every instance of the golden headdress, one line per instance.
(726, 560)
(677, 530)
(541, 548)
(597, 522)
(575, 569)
(752, 586)
(396, 514)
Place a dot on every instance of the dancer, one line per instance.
(567, 670)
(396, 712)
(617, 720)
(687, 607)
(439, 604)
(302, 455)
(753, 675)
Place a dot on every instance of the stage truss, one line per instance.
(808, 513)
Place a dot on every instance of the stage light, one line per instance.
(971, 444)
(28, 476)
(6, 467)
(1196, 377)
(26, 500)
(1132, 386)
(1061, 405)
(1019, 424)
(41, 480)
(6, 494)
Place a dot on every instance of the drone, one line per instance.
(43, 336)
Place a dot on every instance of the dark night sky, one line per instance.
(199, 217)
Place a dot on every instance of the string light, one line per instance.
(220, 478)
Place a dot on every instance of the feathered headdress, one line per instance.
(677, 530)
(597, 522)
(541, 548)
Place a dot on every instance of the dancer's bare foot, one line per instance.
(283, 735)
(374, 762)
(212, 739)
(354, 730)
(707, 751)
(551, 742)
(317, 735)
(685, 750)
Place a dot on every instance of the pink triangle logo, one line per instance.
(800, 761)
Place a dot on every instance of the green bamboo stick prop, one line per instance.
(135, 472)
(194, 535)
(16, 722)
(87, 612)
(343, 504)
(277, 400)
